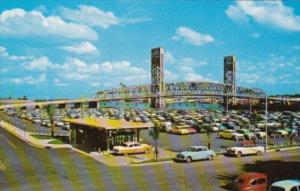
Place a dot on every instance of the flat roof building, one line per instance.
(102, 134)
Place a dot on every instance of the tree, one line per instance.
(51, 111)
(154, 133)
(208, 130)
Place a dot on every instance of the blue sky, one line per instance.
(74, 48)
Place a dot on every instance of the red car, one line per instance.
(192, 130)
(252, 181)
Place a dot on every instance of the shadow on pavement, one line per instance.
(275, 170)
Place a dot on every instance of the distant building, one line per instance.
(230, 73)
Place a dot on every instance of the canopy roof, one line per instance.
(108, 124)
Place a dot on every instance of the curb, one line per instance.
(42, 146)
(150, 163)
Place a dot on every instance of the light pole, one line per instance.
(266, 129)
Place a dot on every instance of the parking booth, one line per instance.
(102, 134)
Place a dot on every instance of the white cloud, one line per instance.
(192, 37)
(273, 13)
(170, 76)
(236, 14)
(255, 35)
(169, 58)
(117, 71)
(193, 77)
(95, 17)
(188, 61)
(249, 78)
(6, 55)
(19, 23)
(57, 82)
(29, 80)
(82, 48)
(42, 64)
(91, 16)
(3, 70)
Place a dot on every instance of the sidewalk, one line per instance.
(26, 137)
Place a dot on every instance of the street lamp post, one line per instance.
(266, 116)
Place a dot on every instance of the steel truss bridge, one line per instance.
(180, 89)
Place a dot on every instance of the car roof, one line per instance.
(251, 175)
(286, 183)
(198, 146)
(130, 142)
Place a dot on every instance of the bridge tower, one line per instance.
(230, 73)
(157, 77)
(229, 78)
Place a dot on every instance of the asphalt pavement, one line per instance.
(23, 167)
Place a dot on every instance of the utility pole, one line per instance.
(227, 104)
(266, 116)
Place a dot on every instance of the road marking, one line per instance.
(2, 166)
(11, 144)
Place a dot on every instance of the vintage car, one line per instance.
(245, 148)
(132, 148)
(285, 185)
(179, 131)
(259, 133)
(231, 134)
(251, 181)
(280, 132)
(195, 153)
(192, 130)
(247, 134)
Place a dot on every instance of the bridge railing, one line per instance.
(178, 89)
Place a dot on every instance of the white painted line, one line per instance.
(2, 166)
(11, 144)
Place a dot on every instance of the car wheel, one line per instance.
(258, 153)
(189, 159)
(210, 157)
(239, 154)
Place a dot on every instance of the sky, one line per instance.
(72, 49)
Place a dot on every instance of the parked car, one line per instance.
(280, 132)
(247, 134)
(179, 131)
(245, 148)
(231, 134)
(259, 133)
(132, 148)
(251, 181)
(195, 153)
(285, 185)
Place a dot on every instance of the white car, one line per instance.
(285, 185)
(260, 134)
(132, 148)
(245, 148)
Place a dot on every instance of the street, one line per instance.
(24, 167)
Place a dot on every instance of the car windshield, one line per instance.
(191, 149)
(239, 180)
(124, 145)
(276, 188)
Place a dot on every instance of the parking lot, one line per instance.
(202, 120)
